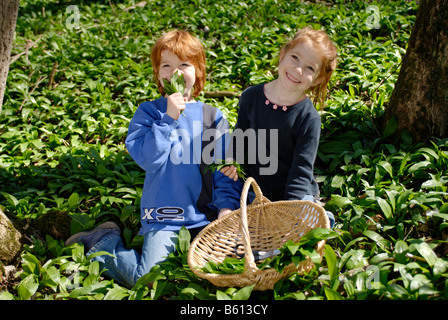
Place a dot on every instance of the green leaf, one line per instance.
(332, 262)
(116, 293)
(27, 287)
(30, 264)
(11, 199)
(86, 290)
(220, 163)
(222, 295)
(292, 247)
(177, 84)
(390, 128)
(383, 243)
(73, 200)
(332, 294)
(51, 277)
(297, 260)
(100, 253)
(418, 281)
(196, 291)
(387, 166)
(243, 293)
(4, 295)
(401, 248)
(385, 207)
(440, 266)
(315, 235)
(419, 166)
(337, 181)
(338, 202)
(426, 252)
(184, 240)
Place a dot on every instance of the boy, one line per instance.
(170, 148)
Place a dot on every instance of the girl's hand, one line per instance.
(223, 212)
(230, 171)
(176, 104)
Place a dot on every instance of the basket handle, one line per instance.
(249, 264)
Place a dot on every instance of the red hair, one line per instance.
(328, 53)
(186, 47)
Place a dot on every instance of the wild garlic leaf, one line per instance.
(176, 84)
(219, 164)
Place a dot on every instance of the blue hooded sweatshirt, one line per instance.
(174, 154)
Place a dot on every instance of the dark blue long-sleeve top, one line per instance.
(288, 135)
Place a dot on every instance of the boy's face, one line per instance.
(169, 63)
(299, 67)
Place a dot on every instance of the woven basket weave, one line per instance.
(261, 226)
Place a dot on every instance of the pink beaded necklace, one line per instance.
(275, 106)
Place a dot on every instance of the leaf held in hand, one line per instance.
(219, 164)
(177, 84)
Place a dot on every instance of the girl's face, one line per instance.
(299, 67)
(169, 63)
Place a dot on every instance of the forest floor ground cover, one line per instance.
(80, 70)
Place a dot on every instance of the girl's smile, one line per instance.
(290, 77)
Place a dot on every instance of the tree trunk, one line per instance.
(10, 240)
(419, 102)
(8, 18)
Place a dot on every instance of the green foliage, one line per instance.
(221, 163)
(62, 143)
(177, 84)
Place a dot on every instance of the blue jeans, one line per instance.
(129, 265)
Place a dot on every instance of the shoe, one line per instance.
(90, 238)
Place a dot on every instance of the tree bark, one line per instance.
(419, 102)
(10, 240)
(8, 19)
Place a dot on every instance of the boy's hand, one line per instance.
(230, 171)
(176, 104)
(223, 212)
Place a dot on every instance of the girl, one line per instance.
(306, 64)
(176, 190)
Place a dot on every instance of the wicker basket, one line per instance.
(261, 226)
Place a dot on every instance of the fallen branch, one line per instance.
(53, 72)
(221, 94)
(28, 46)
(140, 4)
(31, 92)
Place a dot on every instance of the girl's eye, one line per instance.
(310, 68)
(294, 57)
